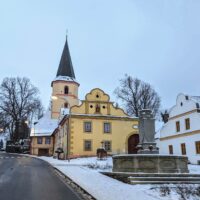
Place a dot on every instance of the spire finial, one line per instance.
(66, 33)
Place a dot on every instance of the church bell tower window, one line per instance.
(66, 90)
(66, 105)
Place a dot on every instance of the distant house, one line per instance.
(41, 136)
(180, 135)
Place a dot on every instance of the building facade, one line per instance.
(42, 140)
(42, 145)
(180, 135)
(80, 129)
(96, 123)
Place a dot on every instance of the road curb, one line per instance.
(82, 193)
(75, 187)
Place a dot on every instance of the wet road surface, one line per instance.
(26, 178)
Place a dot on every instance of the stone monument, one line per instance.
(147, 143)
(148, 159)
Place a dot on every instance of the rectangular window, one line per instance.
(197, 147)
(170, 149)
(39, 140)
(183, 149)
(107, 145)
(87, 126)
(187, 124)
(107, 127)
(177, 126)
(87, 145)
(48, 140)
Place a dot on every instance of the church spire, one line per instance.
(65, 67)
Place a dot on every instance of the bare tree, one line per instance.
(137, 95)
(4, 121)
(19, 101)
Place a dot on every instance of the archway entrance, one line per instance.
(133, 141)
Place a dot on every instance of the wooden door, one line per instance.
(43, 152)
(132, 144)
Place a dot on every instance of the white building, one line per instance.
(181, 134)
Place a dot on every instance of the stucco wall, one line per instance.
(58, 91)
(169, 128)
(35, 146)
(176, 142)
(120, 131)
(185, 108)
(94, 98)
(182, 106)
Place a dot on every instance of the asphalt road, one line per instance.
(25, 178)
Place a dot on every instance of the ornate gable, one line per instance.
(97, 102)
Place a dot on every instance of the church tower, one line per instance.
(64, 86)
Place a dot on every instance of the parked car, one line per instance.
(23, 146)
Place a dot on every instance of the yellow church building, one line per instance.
(82, 127)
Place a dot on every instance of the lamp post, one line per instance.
(102, 144)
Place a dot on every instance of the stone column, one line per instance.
(147, 143)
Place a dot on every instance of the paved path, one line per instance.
(26, 178)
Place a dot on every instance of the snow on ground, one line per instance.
(194, 169)
(91, 162)
(85, 172)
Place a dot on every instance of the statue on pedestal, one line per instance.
(147, 143)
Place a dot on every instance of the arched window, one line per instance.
(66, 105)
(66, 90)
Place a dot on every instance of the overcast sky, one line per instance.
(157, 41)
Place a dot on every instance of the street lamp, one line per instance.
(102, 144)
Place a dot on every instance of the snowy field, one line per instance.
(85, 172)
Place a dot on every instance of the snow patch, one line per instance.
(103, 187)
(45, 126)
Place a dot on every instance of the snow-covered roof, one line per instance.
(45, 126)
(65, 78)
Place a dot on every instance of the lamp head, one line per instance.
(54, 97)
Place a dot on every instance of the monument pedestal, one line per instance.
(141, 163)
(148, 148)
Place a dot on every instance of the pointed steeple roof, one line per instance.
(65, 67)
